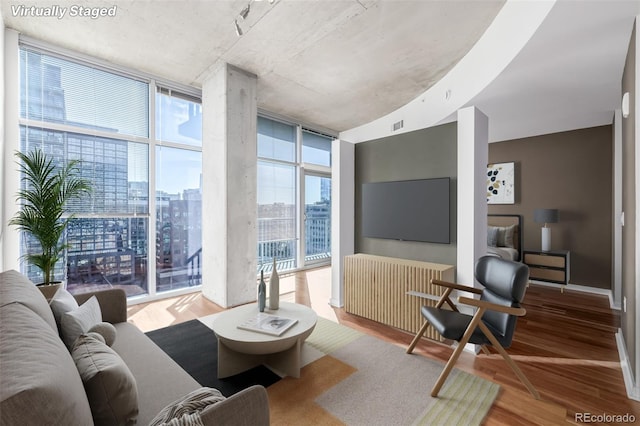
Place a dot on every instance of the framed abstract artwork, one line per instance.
(501, 183)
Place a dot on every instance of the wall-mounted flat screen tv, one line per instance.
(410, 210)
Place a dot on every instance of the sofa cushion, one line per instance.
(16, 288)
(39, 379)
(110, 386)
(80, 320)
(145, 360)
(187, 409)
(61, 303)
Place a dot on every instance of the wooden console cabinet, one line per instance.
(550, 266)
(379, 288)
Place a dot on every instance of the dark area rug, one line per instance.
(194, 347)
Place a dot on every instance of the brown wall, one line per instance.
(629, 194)
(572, 172)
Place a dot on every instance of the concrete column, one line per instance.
(229, 173)
(342, 214)
(473, 155)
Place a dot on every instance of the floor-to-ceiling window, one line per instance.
(294, 195)
(316, 163)
(178, 190)
(277, 189)
(136, 161)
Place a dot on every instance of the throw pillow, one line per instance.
(79, 321)
(110, 386)
(61, 303)
(508, 235)
(505, 236)
(106, 330)
(186, 410)
(492, 236)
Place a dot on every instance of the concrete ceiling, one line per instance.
(338, 64)
(333, 63)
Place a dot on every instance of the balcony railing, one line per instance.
(123, 267)
(283, 250)
(194, 268)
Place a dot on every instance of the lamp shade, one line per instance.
(545, 215)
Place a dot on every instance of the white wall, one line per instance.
(473, 157)
(616, 272)
(4, 82)
(342, 214)
(10, 242)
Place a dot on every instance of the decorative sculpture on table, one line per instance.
(274, 288)
(262, 293)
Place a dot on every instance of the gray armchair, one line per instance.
(494, 321)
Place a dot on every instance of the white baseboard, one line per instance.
(335, 303)
(633, 390)
(582, 289)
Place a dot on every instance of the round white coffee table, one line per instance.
(240, 350)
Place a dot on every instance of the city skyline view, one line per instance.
(114, 232)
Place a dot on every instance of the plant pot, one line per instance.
(49, 290)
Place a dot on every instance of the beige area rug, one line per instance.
(355, 379)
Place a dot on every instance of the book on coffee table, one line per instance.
(268, 324)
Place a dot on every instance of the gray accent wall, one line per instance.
(422, 154)
(629, 202)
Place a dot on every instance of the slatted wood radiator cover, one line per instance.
(378, 288)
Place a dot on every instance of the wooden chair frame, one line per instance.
(482, 306)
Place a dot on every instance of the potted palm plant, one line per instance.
(46, 191)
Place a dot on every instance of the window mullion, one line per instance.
(151, 241)
(299, 199)
(58, 127)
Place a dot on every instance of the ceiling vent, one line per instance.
(399, 125)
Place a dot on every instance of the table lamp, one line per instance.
(545, 216)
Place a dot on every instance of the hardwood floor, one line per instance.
(565, 345)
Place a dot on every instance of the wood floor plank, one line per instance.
(565, 345)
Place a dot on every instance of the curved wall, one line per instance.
(507, 35)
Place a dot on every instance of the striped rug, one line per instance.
(355, 379)
(384, 385)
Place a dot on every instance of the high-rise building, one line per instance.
(109, 239)
(318, 229)
(179, 237)
(100, 249)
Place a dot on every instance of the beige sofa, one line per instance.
(39, 382)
